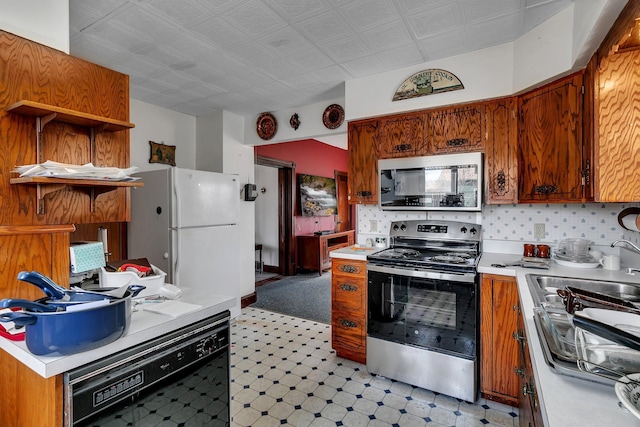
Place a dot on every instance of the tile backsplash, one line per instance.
(514, 223)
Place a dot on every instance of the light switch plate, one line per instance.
(538, 231)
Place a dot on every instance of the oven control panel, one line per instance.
(430, 228)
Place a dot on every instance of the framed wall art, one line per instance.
(161, 153)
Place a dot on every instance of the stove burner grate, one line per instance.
(451, 258)
(401, 253)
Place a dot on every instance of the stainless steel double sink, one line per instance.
(554, 326)
(545, 288)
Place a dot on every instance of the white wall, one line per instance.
(239, 159)
(311, 125)
(160, 125)
(209, 137)
(266, 208)
(485, 73)
(45, 22)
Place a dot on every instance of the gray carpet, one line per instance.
(307, 296)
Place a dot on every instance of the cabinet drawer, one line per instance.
(348, 331)
(350, 268)
(349, 293)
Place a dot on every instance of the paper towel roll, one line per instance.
(631, 222)
(102, 237)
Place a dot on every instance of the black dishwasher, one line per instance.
(181, 377)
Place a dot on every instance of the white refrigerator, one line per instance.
(185, 222)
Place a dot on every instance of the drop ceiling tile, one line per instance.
(145, 21)
(480, 11)
(220, 6)
(346, 49)
(310, 60)
(387, 36)
(300, 81)
(434, 21)
(331, 74)
(401, 56)
(365, 66)
(280, 70)
(254, 18)
(109, 32)
(444, 44)
(294, 10)
(193, 46)
(204, 73)
(407, 7)
(187, 14)
(324, 28)
(285, 42)
(97, 7)
(165, 56)
(493, 32)
(221, 33)
(366, 14)
(79, 18)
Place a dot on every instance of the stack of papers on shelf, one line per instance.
(53, 169)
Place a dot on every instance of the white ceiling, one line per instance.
(249, 56)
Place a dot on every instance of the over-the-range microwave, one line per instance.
(442, 182)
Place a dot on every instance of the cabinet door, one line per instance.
(363, 162)
(456, 129)
(528, 404)
(501, 152)
(403, 135)
(617, 150)
(499, 350)
(550, 162)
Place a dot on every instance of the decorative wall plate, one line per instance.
(294, 121)
(266, 126)
(333, 116)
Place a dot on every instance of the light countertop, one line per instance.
(144, 326)
(356, 252)
(565, 401)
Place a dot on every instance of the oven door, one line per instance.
(432, 310)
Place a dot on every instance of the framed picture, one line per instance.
(161, 153)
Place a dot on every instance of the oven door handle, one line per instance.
(425, 274)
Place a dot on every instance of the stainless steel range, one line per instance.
(423, 307)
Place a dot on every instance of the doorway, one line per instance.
(278, 252)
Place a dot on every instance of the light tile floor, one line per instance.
(284, 373)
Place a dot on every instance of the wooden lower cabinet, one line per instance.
(313, 250)
(529, 405)
(349, 309)
(499, 354)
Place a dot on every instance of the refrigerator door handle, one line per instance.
(176, 196)
(176, 258)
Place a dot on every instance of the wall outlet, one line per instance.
(373, 225)
(538, 231)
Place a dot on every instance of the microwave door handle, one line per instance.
(454, 180)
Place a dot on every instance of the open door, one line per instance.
(285, 215)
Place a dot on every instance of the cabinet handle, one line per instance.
(516, 307)
(348, 323)
(400, 148)
(586, 174)
(546, 189)
(501, 182)
(457, 142)
(519, 371)
(348, 287)
(364, 193)
(349, 268)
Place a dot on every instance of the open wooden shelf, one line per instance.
(58, 114)
(75, 182)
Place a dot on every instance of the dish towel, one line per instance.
(171, 308)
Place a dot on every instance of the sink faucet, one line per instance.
(630, 270)
(637, 249)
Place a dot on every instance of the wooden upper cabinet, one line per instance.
(457, 129)
(617, 147)
(501, 151)
(403, 135)
(363, 162)
(550, 162)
